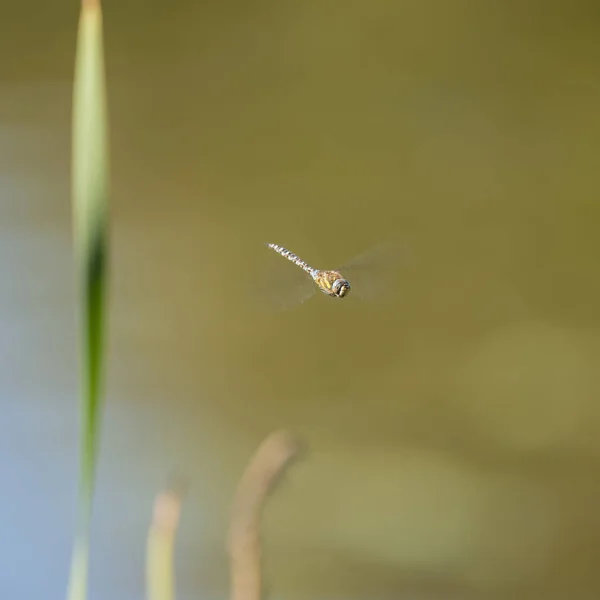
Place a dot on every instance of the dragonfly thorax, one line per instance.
(332, 283)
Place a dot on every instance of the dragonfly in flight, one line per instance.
(369, 271)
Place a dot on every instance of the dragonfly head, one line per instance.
(340, 288)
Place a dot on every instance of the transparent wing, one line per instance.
(283, 286)
(376, 274)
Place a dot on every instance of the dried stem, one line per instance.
(268, 463)
(161, 538)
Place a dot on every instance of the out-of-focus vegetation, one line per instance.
(90, 224)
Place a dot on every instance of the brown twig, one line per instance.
(268, 463)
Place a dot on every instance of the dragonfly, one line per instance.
(365, 277)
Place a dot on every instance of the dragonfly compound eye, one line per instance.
(341, 287)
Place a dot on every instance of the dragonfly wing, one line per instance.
(375, 274)
(283, 287)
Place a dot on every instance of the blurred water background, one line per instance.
(454, 431)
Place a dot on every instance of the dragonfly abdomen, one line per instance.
(292, 257)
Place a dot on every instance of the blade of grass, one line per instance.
(90, 206)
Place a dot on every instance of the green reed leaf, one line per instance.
(90, 188)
